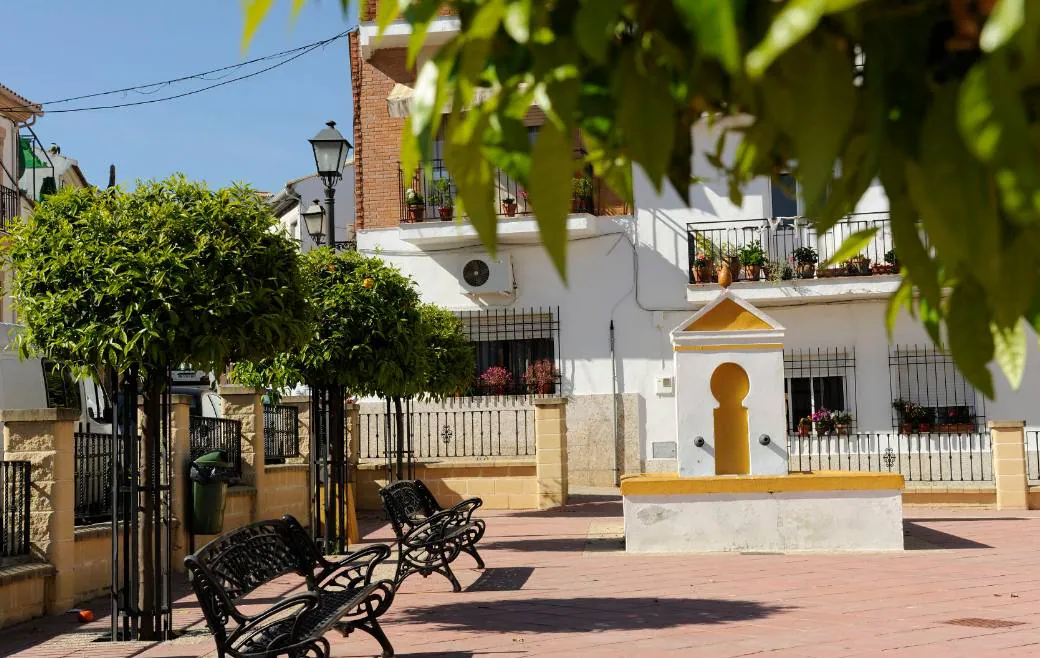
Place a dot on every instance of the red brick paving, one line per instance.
(963, 563)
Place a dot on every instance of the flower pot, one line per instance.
(858, 267)
(924, 428)
(752, 272)
(580, 205)
(955, 428)
(725, 275)
(805, 270)
(702, 273)
(841, 429)
(509, 209)
(445, 213)
(803, 431)
(415, 213)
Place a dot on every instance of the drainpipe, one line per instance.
(614, 398)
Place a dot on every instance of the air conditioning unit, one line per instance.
(483, 275)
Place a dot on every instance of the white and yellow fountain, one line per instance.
(733, 490)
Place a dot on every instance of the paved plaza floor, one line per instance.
(559, 584)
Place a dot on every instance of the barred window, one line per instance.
(930, 394)
(822, 378)
(514, 339)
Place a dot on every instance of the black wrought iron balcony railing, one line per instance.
(431, 194)
(9, 207)
(787, 248)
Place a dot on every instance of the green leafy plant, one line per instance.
(806, 255)
(581, 188)
(891, 258)
(778, 270)
(413, 199)
(440, 195)
(752, 254)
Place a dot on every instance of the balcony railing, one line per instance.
(783, 243)
(435, 194)
(9, 208)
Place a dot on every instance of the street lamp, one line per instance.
(330, 154)
(314, 220)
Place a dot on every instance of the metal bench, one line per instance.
(430, 537)
(340, 593)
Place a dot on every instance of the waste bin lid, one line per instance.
(215, 459)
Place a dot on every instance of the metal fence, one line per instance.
(780, 238)
(9, 205)
(447, 434)
(935, 457)
(281, 432)
(93, 476)
(14, 508)
(209, 434)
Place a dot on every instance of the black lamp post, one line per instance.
(330, 154)
(314, 221)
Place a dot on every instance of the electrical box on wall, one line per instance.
(665, 385)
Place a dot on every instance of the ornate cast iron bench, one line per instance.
(430, 537)
(340, 594)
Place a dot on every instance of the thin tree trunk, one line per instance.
(400, 437)
(150, 570)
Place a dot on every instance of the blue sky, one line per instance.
(253, 131)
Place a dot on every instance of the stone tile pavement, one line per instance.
(559, 584)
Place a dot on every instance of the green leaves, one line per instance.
(595, 25)
(1009, 346)
(970, 337)
(550, 192)
(645, 115)
(715, 26)
(1007, 19)
(852, 246)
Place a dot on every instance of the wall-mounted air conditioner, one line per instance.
(483, 275)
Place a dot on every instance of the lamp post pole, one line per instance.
(330, 209)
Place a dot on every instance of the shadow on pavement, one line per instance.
(585, 615)
(501, 579)
(922, 538)
(579, 506)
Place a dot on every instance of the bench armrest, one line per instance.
(356, 567)
(467, 507)
(306, 601)
(433, 526)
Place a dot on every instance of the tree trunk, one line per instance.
(151, 559)
(399, 419)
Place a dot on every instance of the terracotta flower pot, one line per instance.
(702, 273)
(445, 213)
(509, 209)
(805, 270)
(752, 272)
(415, 213)
(803, 431)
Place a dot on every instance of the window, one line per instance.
(514, 340)
(62, 390)
(824, 378)
(930, 394)
(783, 193)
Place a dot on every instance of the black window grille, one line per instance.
(929, 394)
(821, 378)
(14, 509)
(281, 432)
(514, 340)
(209, 434)
(93, 477)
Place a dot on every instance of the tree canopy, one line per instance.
(939, 100)
(170, 273)
(371, 335)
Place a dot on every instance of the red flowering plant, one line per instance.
(541, 377)
(496, 379)
(823, 420)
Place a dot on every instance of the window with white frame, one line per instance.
(819, 379)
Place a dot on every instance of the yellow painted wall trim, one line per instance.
(673, 485)
(728, 316)
(727, 348)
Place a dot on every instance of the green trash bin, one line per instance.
(209, 475)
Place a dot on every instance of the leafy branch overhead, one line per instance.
(938, 100)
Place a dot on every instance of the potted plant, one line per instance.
(541, 377)
(441, 197)
(509, 206)
(416, 205)
(702, 268)
(823, 421)
(858, 265)
(842, 421)
(729, 255)
(891, 265)
(804, 426)
(777, 271)
(581, 194)
(955, 419)
(805, 259)
(752, 257)
(912, 417)
(496, 380)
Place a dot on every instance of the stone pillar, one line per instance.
(1007, 438)
(303, 407)
(243, 404)
(44, 437)
(180, 492)
(550, 437)
(352, 413)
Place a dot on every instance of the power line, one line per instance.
(295, 52)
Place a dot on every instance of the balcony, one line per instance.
(793, 254)
(9, 208)
(428, 208)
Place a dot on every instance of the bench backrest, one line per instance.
(233, 565)
(408, 503)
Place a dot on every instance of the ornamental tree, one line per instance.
(133, 282)
(937, 100)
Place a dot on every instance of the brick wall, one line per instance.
(369, 8)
